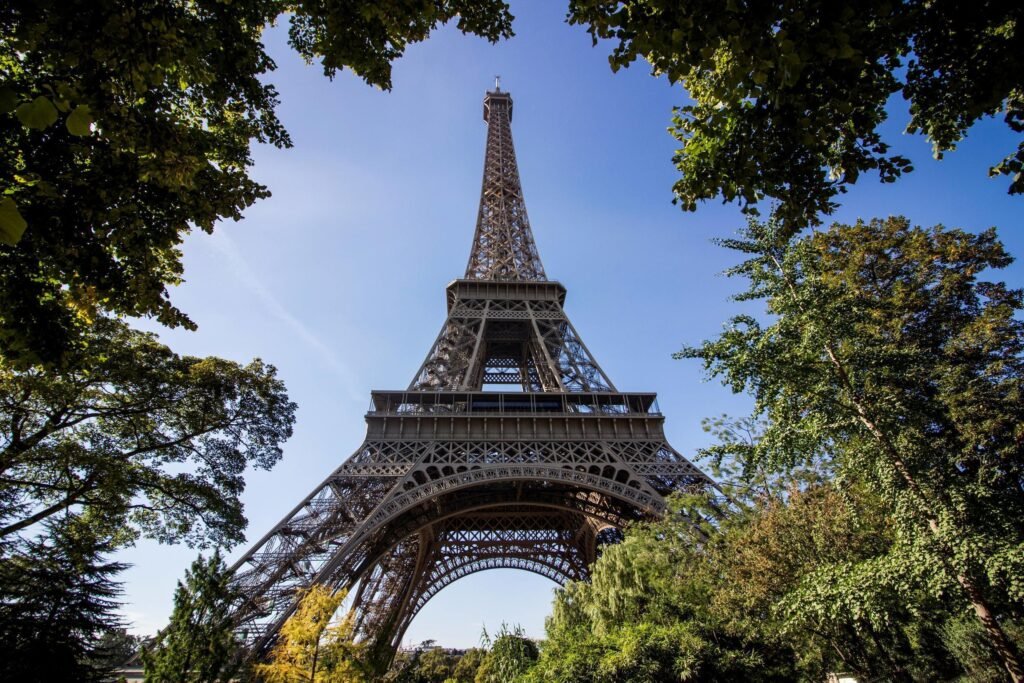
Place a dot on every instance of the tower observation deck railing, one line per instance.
(484, 403)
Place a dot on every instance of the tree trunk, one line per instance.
(1004, 647)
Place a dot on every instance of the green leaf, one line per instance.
(12, 225)
(80, 121)
(37, 114)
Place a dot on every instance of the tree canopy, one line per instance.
(137, 439)
(887, 352)
(873, 518)
(510, 654)
(733, 600)
(124, 126)
(788, 98)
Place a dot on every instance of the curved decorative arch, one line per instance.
(469, 570)
(640, 497)
(547, 570)
(551, 541)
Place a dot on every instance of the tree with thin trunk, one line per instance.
(885, 350)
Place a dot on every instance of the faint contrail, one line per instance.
(226, 246)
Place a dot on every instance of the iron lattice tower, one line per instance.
(452, 479)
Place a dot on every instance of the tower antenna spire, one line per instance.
(503, 245)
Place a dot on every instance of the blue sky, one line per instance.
(338, 279)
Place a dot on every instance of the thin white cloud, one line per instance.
(244, 273)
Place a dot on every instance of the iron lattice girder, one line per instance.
(515, 332)
(503, 245)
(452, 480)
(431, 455)
(556, 544)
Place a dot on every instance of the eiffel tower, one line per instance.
(511, 448)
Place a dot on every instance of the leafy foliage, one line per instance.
(116, 646)
(469, 663)
(199, 645)
(647, 614)
(427, 663)
(788, 97)
(123, 126)
(136, 439)
(887, 353)
(57, 603)
(728, 601)
(509, 655)
(311, 648)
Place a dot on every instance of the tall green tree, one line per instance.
(199, 645)
(789, 97)
(648, 614)
(886, 350)
(125, 125)
(57, 600)
(137, 439)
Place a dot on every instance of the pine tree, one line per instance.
(199, 645)
(57, 597)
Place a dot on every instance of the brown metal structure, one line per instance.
(510, 448)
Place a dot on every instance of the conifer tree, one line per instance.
(199, 645)
(57, 597)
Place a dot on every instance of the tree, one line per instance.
(123, 126)
(137, 439)
(199, 645)
(648, 612)
(509, 655)
(468, 664)
(311, 648)
(789, 97)
(57, 599)
(115, 647)
(435, 665)
(887, 352)
(782, 589)
(427, 663)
